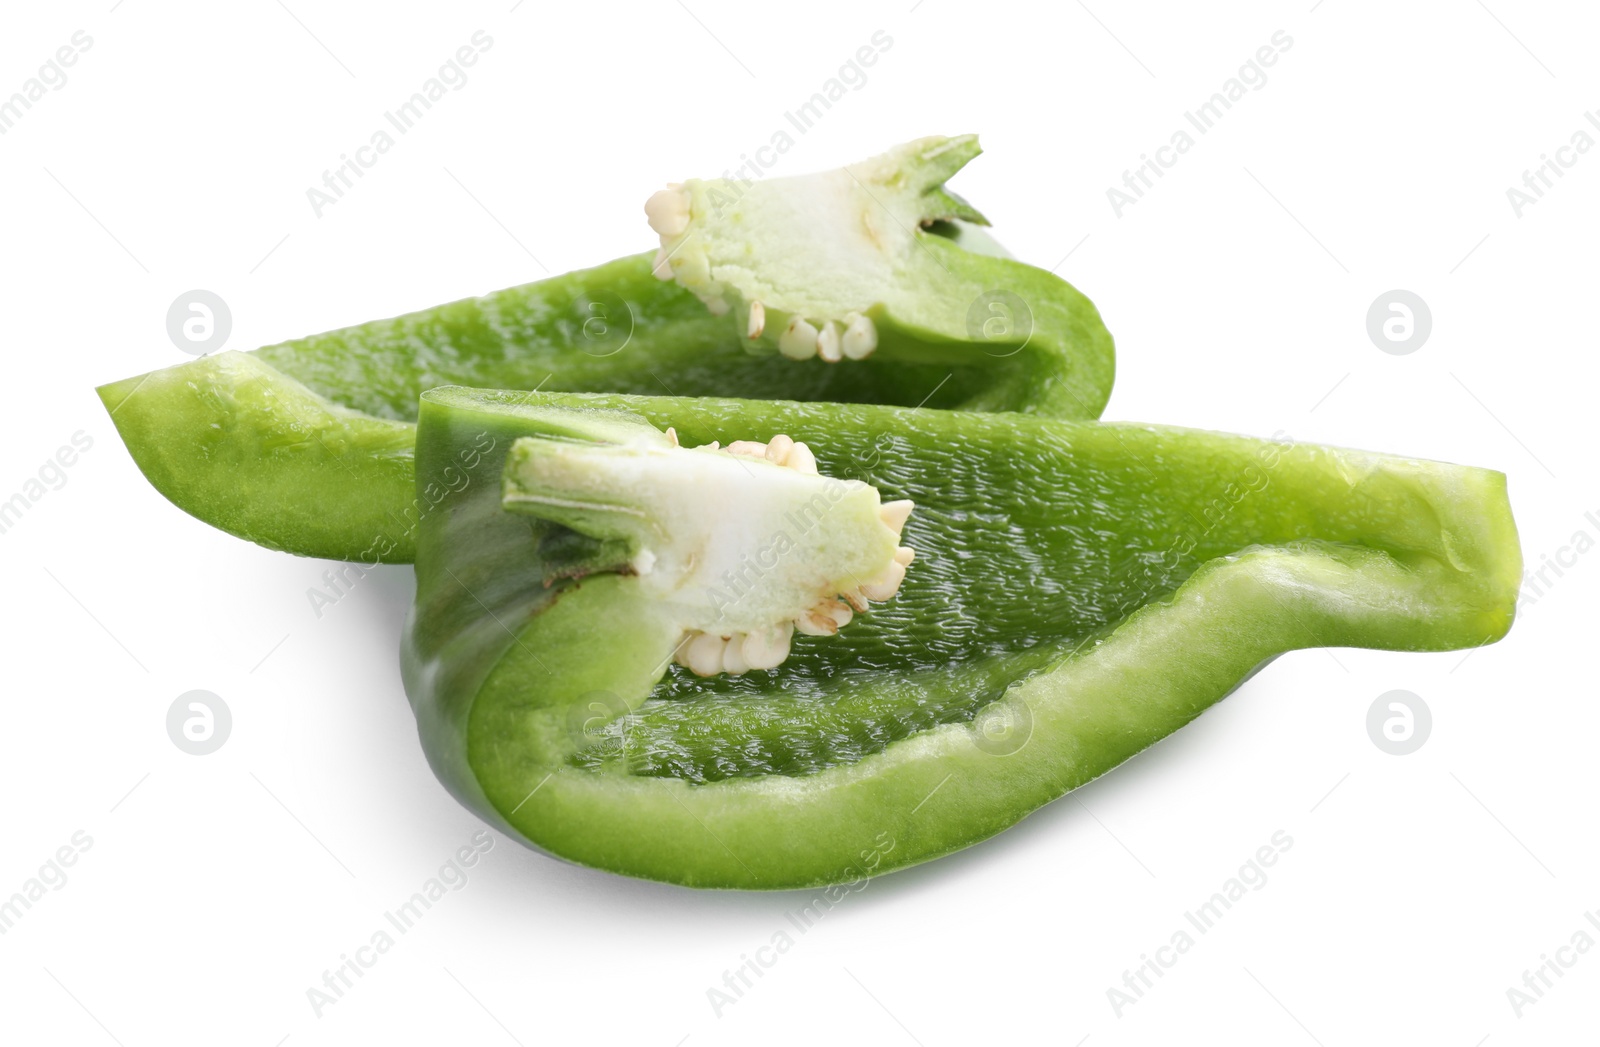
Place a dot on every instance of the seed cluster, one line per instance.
(710, 653)
(852, 337)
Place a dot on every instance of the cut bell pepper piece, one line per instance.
(1079, 591)
(306, 446)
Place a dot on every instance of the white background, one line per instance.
(218, 889)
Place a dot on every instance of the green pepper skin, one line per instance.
(303, 446)
(1094, 586)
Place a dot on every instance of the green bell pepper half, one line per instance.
(1080, 590)
(306, 446)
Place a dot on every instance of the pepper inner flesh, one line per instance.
(1025, 558)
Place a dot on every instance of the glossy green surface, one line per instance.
(1080, 591)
